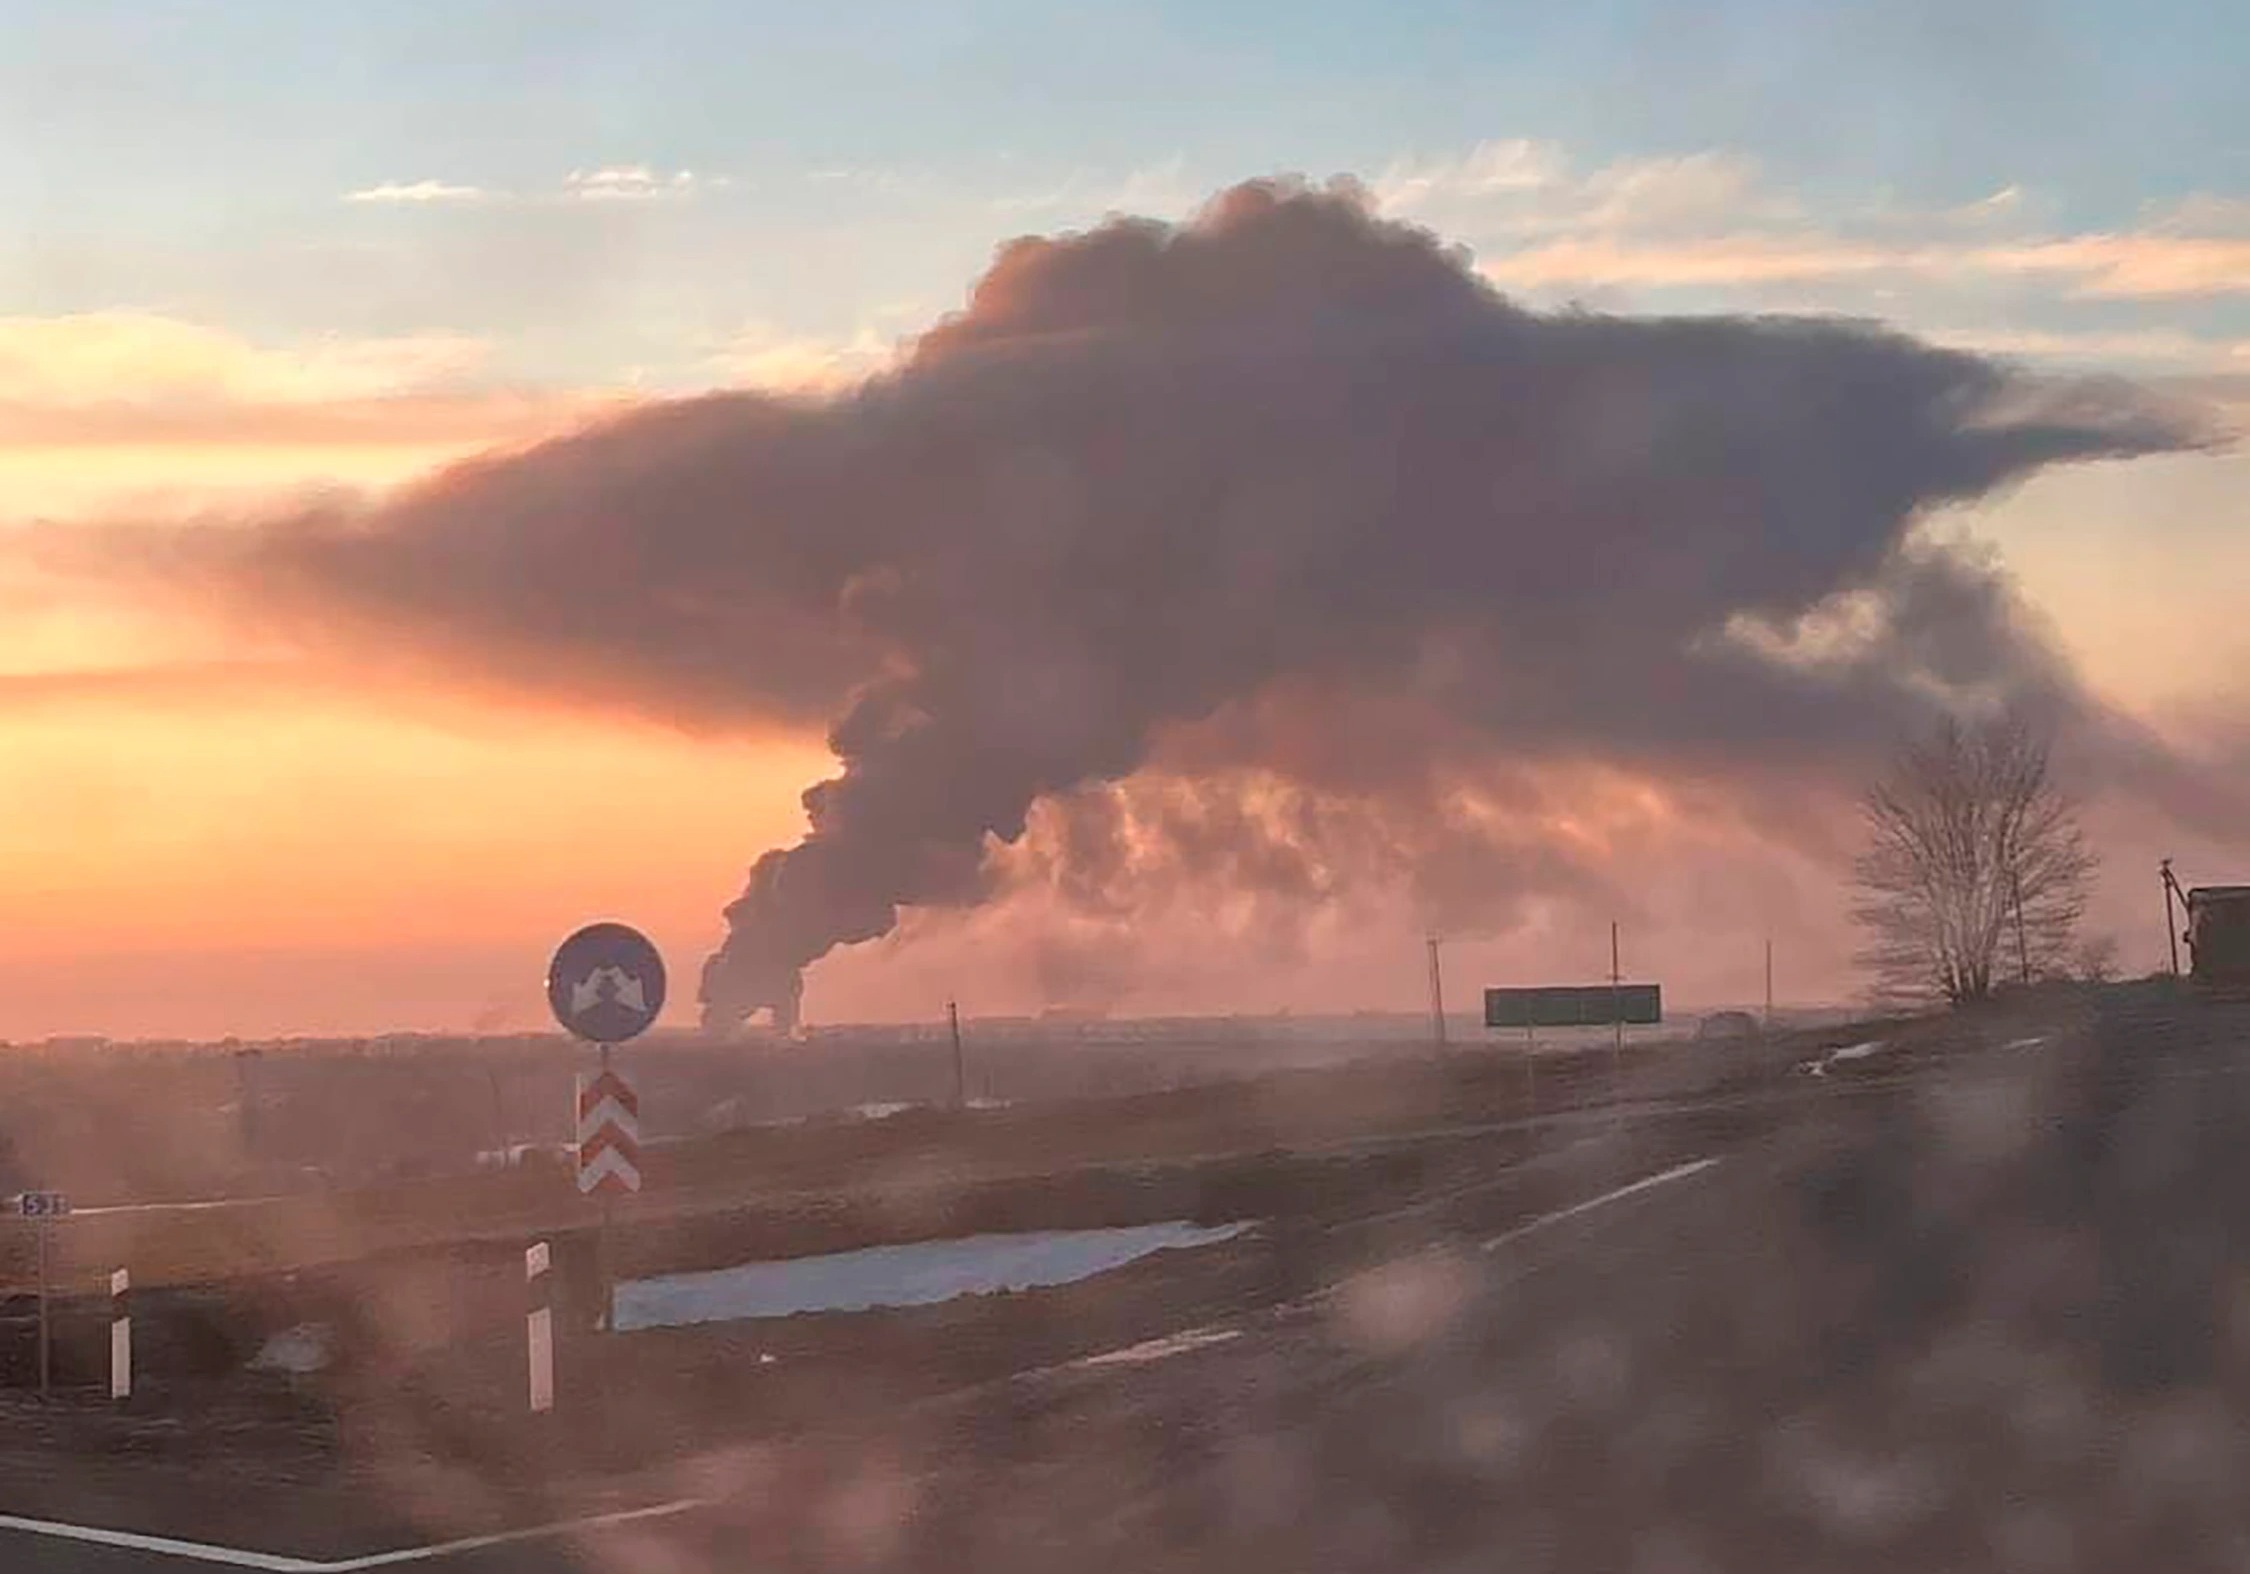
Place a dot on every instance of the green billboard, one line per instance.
(1574, 1005)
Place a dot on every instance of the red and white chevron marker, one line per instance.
(609, 1135)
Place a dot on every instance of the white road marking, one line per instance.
(1149, 1350)
(280, 1563)
(1181, 1343)
(444, 1549)
(1678, 1172)
(164, 1546)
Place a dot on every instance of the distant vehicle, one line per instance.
(1727, 1024)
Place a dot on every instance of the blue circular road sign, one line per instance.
(606, 983)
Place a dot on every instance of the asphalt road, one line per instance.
(717, 1536)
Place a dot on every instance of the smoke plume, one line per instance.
(1286, 487)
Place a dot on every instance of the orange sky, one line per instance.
(196, 839)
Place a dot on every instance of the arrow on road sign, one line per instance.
(606, 983)
(610, 1172)
(608, 1097)
(609, 1135)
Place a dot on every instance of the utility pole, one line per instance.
(2171, 929)
(2023, 948)
(1437, 997)
(960, 1069)
(1769, 981)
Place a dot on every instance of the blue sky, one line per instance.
(268, 100)
(192, 159)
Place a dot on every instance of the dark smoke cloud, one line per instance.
(1152, 477)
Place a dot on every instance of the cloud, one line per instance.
(141, 359)
(109, 410)
(629, 183)
(1163, 190)
(2142, 266)
(606, 183)
(1515, 166)
(2007, 200)
(473, 418)
(1727, 260)
(154, 684)
(763, 356)
(1283, 503)
(418, 193)
(1710, 220)
(2152, 349)
(1522, 188)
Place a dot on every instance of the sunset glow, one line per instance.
(193, 806)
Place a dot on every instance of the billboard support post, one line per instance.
(1617, 1049)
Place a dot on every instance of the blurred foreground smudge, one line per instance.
(1981, 1300)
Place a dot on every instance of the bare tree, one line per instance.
(2097, 960)
(1976, 869)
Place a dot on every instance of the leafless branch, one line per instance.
(1976, 868)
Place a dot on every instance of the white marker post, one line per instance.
(120, 1336)
(539, 1329)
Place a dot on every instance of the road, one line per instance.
(685, 1532)
(1995, 1314)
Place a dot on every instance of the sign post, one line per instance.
(46, 1330)
(605, 986)
(609, 1153)
(1617, 1014)
(42, 1208)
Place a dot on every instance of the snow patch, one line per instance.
(922, 1274)
(299, 1351)
(1819, 1065)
